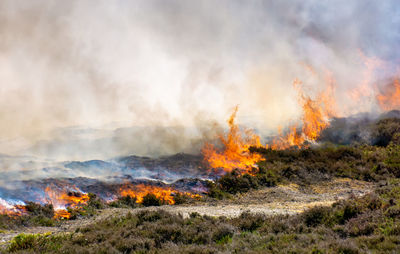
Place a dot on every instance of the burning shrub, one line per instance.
(155, 195)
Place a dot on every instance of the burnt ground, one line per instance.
(282, 199)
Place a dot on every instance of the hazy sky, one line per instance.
(77, 70)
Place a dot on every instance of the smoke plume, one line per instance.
(81, 79)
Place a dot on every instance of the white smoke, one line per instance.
(95, 68)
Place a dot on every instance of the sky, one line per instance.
(97, 79)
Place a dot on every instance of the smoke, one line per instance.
(83, 80)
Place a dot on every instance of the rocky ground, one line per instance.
(283, 199)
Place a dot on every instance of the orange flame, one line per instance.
(63, 199)
(235, 153)
(165, 194)
(389, 99)
(316, 115)
(11, 210)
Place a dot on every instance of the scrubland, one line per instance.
(364, 223)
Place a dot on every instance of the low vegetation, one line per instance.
(368, 224)
(43, 215)
(312, 165)
(359, 225)
(36, 215)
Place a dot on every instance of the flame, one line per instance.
(11, 210)
(389, 99)
(235, 153)
(61, 213)
(62, 199)
(165, 194)
(315, 118)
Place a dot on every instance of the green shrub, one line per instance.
(126, 201)
(95, 202)
(23, 242)
(385, 130)
(151, 200)
(223, 234)
(180, 198)
(249, 222)
(316, 216)
(38, 209)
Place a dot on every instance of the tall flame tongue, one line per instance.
(389, 99)
(316, 115)
(235, 152)
(63, 199)
(141, 190)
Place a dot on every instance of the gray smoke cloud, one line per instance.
(84, 79)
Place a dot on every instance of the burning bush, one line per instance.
(34, 215)
(150, 195)
(235, 153)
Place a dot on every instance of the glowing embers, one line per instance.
(389, 98)
(165, 194)
(61, 199)
(235, 152)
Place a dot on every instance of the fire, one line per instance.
(315, 118)
(141, 190)
(389, 99)
(62, 213)
(60, 200)
(11, 210)
(63, 199)
(235, 153)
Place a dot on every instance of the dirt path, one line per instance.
(284, 199)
